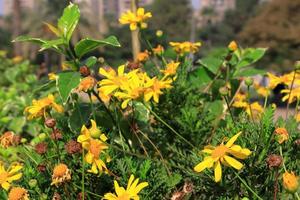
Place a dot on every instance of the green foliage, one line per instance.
(66, 82)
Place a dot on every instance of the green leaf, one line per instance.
(91, 61)
(249, 72)
(87, 45)
(17, 124)
(79, 116)
(67, 81)
(52, 44)
(53, 29)
(199, 77)
(211, 63)
(250, 56)
(141, 113)
(68, 21)
(24, 38)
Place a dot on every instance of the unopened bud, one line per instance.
(223, 91)
(249, 82)
(42, 136)
(233, 46)
(32, 183)
(50, 122)
(23, 140)
(84, 71)
(101, 60)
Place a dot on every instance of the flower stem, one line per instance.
(92, 105)
(82, 178)
(167, 125)
(247, 186)
(280, 151)
(229, 109)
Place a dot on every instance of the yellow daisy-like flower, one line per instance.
(113, 80)
(155, 90)
(223, 154)
(18, 193)
(185, 47)
(135, 20)
(158, 50)
(39, 107)
(86, 84)
(263, 91)
(61, 174)
(290, 181)
(290, 96)
(130, 193)
(171, 68)
(254, 109)
(9, 175)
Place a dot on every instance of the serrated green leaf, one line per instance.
(211, 63)
(248, 72)
(69, 20)
(79, 116)
(87, 45)
(66, 82)
(24, 38)
(250, 56)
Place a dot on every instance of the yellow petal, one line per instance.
(218, 172)
(140, 187)
(206, 163)
(233, 162)
(233, 139)
(130, 181)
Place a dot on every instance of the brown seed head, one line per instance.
(73, 147)
(84, 71)
(50, 122)
(41, 148)
(274, 161)
(56, 134)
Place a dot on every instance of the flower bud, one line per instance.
(32, 183)
(41, 168)
(41, 148)
(43, 196)
(84, 71)
(42, 136)
(159, 33)
(95, 133)
(233, 46)
(23, 140)
(249, 81)
(101, 60)
(281, 135)
(223, 91)
(50, 122)
(290, 182)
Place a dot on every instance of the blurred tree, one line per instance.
(220, 34)
(173, 17)
(276, 26)
(16, 25)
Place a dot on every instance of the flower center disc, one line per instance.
(219, 151)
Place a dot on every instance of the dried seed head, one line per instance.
(297, 143)
(41, 168)
(56, 196)
(188, 187)
(84, 71)
(56, 134)
(177, 195)
(274, 161)
(73, 147)
(79, 196)
(41, 148)
(50, 122)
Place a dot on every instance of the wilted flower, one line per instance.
(86, 84)
(56, 196)
(41, 168)
(9, 175)
(41, 148)
(18, 193)
(158, 50)
(281, 135)
(50, 122)
(220, 154)
(56, 134)
(131, 192)
(143, 56)
(73, 147)
(84, 71)
(61, 174)
(274, 161)
(9, 139)
(290, 181)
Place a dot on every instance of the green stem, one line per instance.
(167, 125)
(229, 109)
(280, 151)
(297, 195)
(92, 105)
(82, 178)
(247, 186)
(266, 101)
(249, 103)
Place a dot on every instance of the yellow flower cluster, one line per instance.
(131, 192)
(93, 141)
(41, 106)
(135, 20)
(185, 47)
(133, 85)
(223, 154)
(7, 176)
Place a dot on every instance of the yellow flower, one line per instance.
(159, 33)
(233, 46)
(158, 50)
(103, 97)
(263, 91)
(171, 68)
(221, 155)
(143, 56)
(18, 193)
(86, 84)
(92, 140)
(61, 174)
(273, 80)
(113, 80)
(135, 20)
(185, 47)
(290, 181)
(291, 96)
(9, 175)
(131, 192)
(17, 59)
(52, 76)
(39, 107)
(254, 109)
(281, 135)
(155, 90)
